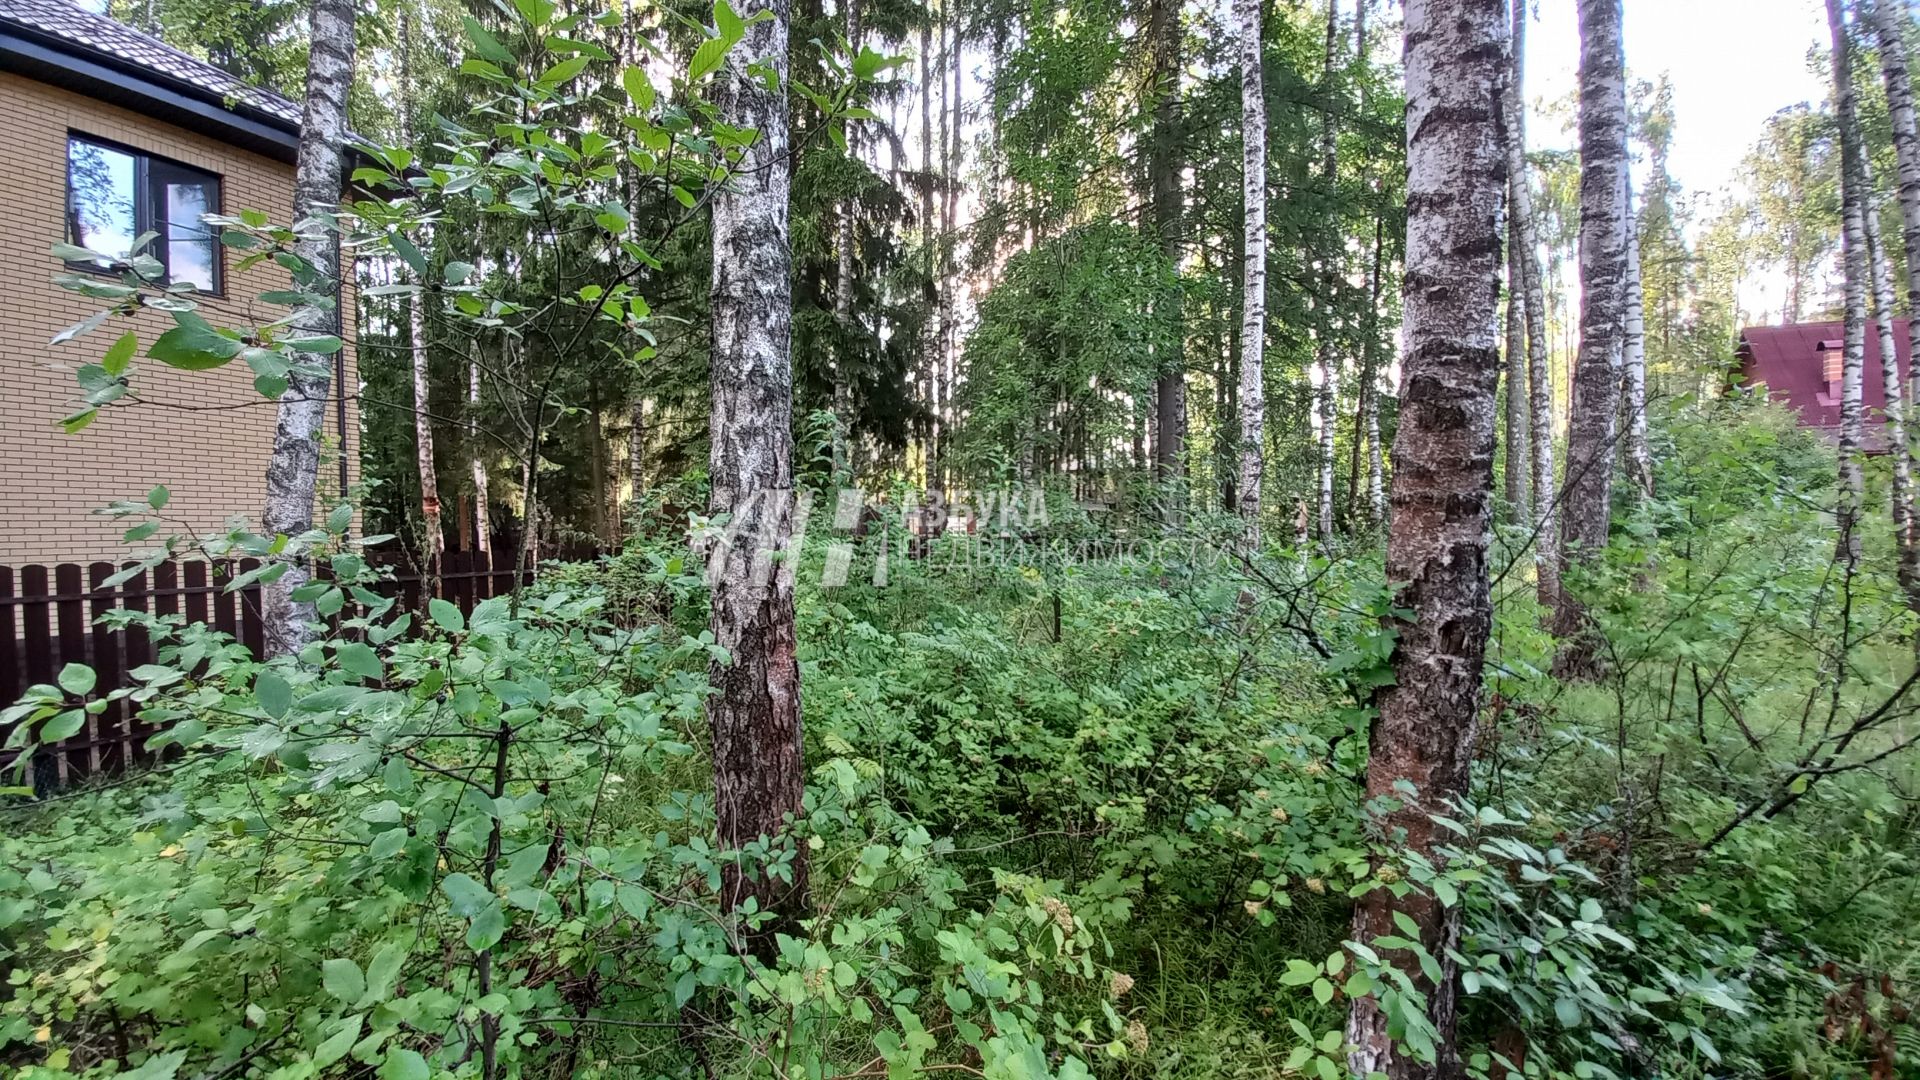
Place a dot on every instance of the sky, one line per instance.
(1733, 64)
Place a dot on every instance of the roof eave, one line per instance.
(99, 75)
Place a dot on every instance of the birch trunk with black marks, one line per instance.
(293, 472)
(1327, 388)
(1890, 22)
(1253, 281)
(1442, 501)
(1881, 274)
(1164, 170)
(930, 295)
(1594, 413)
(1633, 361)
(477, 465)
(1515, 366)
(842, 301)
(1853, 244)
(434, 540)
(755, 713)
(1545, 491)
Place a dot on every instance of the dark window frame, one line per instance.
(149, 209)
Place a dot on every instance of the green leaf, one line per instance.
(639, 88)
(316, 344)
(457, 272)
(707, 58)
(1322, 991)
(466, 895)
(446, 615)
(157, 498)
(77, 679)
(343, 979)
(404, 1064)
(193, 347)
(62, 726)
(487, 927)
(383, 972)
(339, 518)
(336, 1045)
(273, 694)
(120, 354)
(358, 659)
(485, 43)
(563, 71)
(728, 22)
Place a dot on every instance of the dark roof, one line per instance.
(1791, 362)
(58, 43)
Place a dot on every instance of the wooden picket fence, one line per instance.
(49, 617)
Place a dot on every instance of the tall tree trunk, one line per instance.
(1545, 491)
(1603, 273)
(435, 539)
(636, 447)
(1516, 355)
(477, 465)
(1327, 388)
(1247, 16)
(1164, 169)
(293, 473)
(1633, 360)
(949, 285)
(930, 71)
(1896, 410)
(1853, 201)
(755, 715)
(842, 298)
(1890, 22)
(1442, 506)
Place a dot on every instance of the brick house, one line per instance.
(113, 133)
(1799, 364)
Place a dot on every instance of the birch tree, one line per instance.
(435, 543)
(1853, 244)
(1253, 304)
(1442, 500)
(477, 466)
(755, 712)
(1890, 22)
(1327, 381)
(1603, 274)
(293, 472)
(1633, 361)
(1533, 298)
(1515, 367)
(1881, 276)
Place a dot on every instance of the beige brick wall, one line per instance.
(205, 435)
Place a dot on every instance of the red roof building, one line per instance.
(1800, 366)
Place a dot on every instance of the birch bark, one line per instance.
(1442, 501)
(1247, 15)
(755, 713)
(293, 472)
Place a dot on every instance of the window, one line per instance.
(115, 194)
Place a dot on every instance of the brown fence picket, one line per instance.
(10, 685)
(253, 631)
(107, 668)
(139, 652)
(83, 753)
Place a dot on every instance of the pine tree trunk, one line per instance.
(1164, 169)
(1442, 503)
(1890, 21)
(1603, 273)
(949, 287)
(1516, 361)
(1633, 360)
(755, 713)
(1327, 384)
(1854, 259)
(293, 473)
(476, 464)
(1253, 303)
